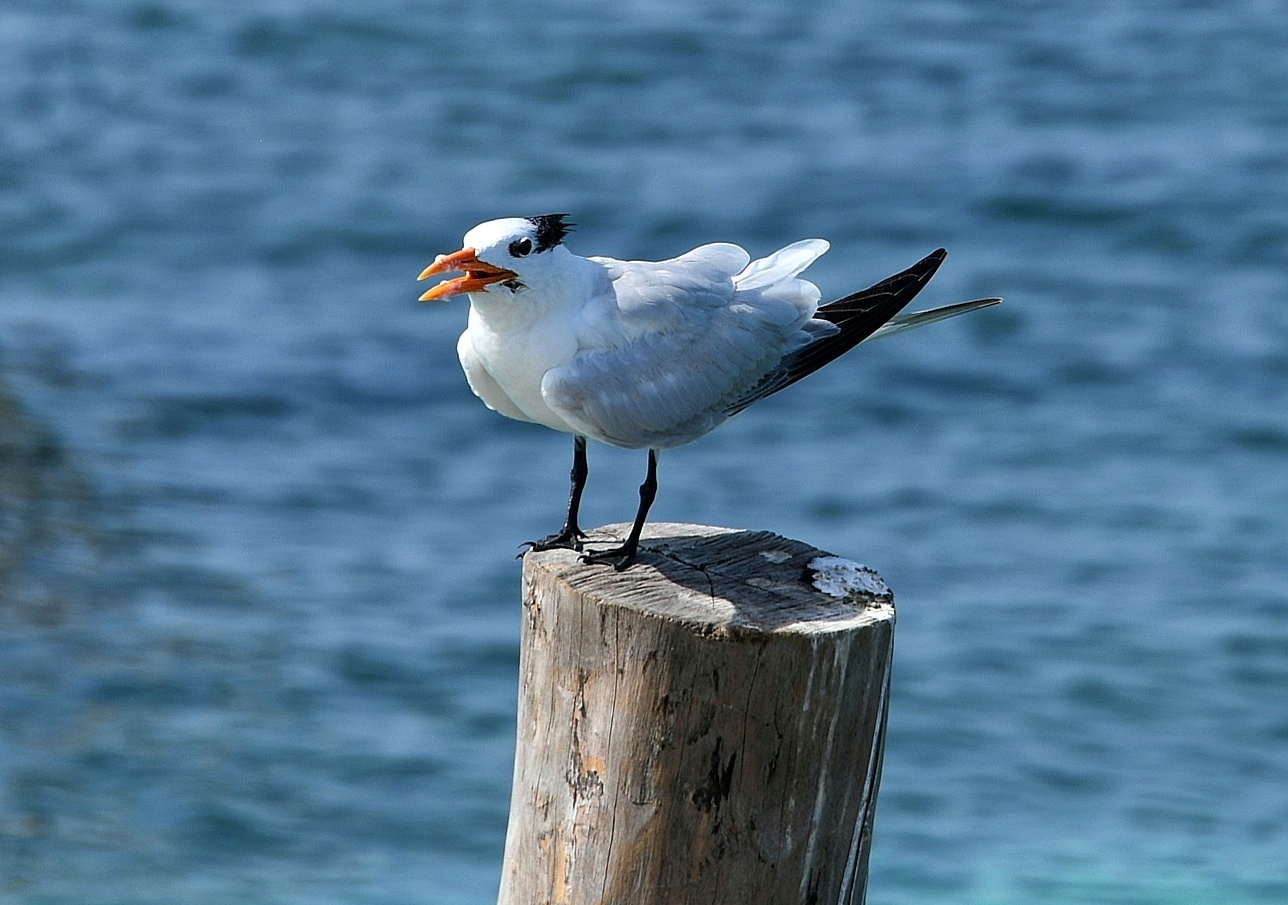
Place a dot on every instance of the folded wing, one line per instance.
(855, 318)
(677, 342)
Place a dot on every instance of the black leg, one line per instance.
(570, 535)
(621, 557)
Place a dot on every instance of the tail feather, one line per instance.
(857, 317)
(901, 322)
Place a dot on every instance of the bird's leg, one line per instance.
(569, 536)
(621, 557)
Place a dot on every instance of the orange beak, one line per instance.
(478, 274)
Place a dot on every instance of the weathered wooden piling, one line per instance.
(705, 727)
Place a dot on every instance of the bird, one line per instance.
(650, 354)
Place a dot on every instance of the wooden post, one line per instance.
(705, 727)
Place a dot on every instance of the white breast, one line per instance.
(517, 359)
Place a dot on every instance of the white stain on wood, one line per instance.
(845, 579)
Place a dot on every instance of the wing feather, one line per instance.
(675, 343)
(855, 317)
(782, 265)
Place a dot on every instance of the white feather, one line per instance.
(484, 384)
(781, 265)
(670, 344)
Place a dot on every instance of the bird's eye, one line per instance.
(520, 247)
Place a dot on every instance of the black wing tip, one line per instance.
(922, 271)
(930, 261)
(858, 316)
(904, 285)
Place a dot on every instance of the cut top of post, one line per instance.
(728, 581)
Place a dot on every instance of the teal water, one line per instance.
(258, 601)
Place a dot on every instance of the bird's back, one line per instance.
(674, 343)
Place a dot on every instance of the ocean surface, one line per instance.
(258, 596)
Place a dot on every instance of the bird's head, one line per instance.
(502, 256)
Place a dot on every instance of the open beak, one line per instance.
(478, 274)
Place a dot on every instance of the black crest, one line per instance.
(551, 229)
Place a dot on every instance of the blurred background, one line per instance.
(258, 596)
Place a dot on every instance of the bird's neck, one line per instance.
(559, 291)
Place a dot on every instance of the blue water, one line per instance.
(258, 629)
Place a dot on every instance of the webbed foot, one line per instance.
(568, 538)
(620, 558)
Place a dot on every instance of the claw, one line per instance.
(620, 558)
(566, 539)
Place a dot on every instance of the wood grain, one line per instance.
(704, 727)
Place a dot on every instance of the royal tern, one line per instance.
(650, 354)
